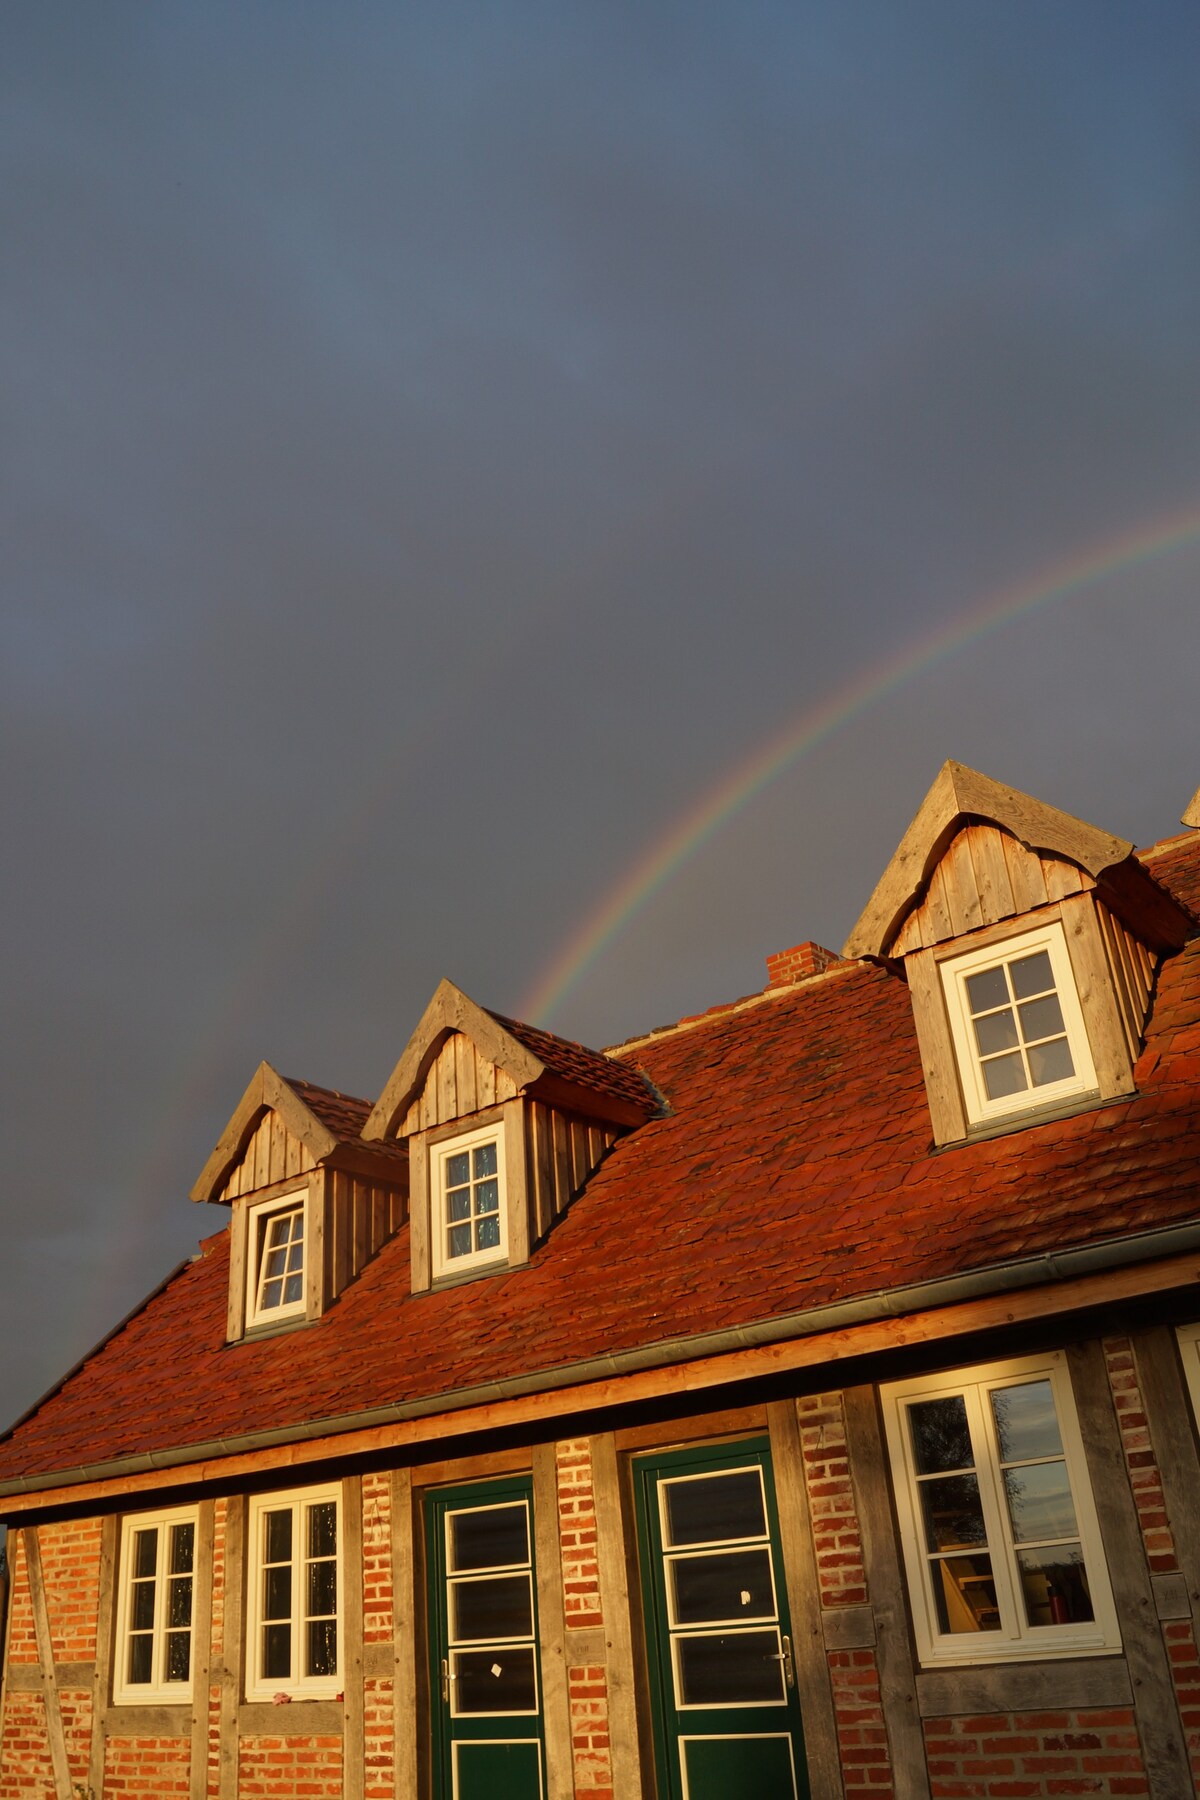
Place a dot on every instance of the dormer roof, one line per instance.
(321, 1120)
(537, 1063)
(961, 795)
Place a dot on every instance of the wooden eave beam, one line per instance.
(667, 1381)
(267, 1092)
(450, 1010)
(957, 795)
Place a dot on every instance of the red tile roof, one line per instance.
(586, 1068)
(794, 1169)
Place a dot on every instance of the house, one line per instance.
(799, 1400)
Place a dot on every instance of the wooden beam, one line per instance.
(1164, 1751)
(813, 1688)
(101, 1670)
(1092, 1681)
(888, 1595)
(552, 1627)
(354, 1749)
(613, 1550)
(405, 1637)
(45, 1649)
(1168, 1419)
(202, 1585)
(939, 1063)
(233, 1613)
(450, 1010)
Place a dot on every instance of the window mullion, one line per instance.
(299, 1569)
(991, 1496)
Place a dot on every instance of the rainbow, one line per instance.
(720, 803)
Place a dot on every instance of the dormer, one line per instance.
(504, 1124)
(310, 1203)
(1030, 942)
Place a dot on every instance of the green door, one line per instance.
(726, 1720)
(485, 1682)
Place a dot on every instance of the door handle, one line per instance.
(447, 1678)
(785, 1657)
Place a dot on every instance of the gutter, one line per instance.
(890, 1303)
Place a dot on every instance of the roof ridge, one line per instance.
(845, 965)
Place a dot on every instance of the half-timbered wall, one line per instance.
(271, 1154)
(460, 1081)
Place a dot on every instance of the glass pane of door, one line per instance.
(483, 1641)
(717, 1629)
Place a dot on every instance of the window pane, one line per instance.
(460, 1240)
(458, 1169)
(179, 1655)
(179, 1601)
(277, 1593)
(485, 1161)
(1041, 1018)
(940, 1438)
(279, 1536)
(953, 1513)
(987, 989)
(487, 1233)
(493, 1537)
(143, 1606)
(1039, 1501)
(458, 1203)
(322, 1529)
(277, 1652)
(494, 1681)
(1054, 1585)
(322, 1647)
(140, 1658)
(965, 1594)
(730, 1669)
(487, 1196)
(183, 1539)
(1031, 975)
(996, 1031)
(1050, 1062)
(293, 1289)
(714, 1508)
(145, 1551)
(1026, 1422)
(1006, 1075)
(494, 1607)
(322, 1589)
(735, 1585)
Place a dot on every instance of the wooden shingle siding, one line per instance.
(460, 1081)
(984, 877)
(271, 1154)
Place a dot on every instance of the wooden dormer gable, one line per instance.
(982, 863)
(555, 1109)
(291, 1145)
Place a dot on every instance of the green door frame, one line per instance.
(477, 1571)
(740, 1733)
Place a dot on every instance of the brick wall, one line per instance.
(26, 1760)
(577, 1533)
(377, 1559)
(587, 1688)
(1040, 1755)
(146, 1768)
(379, 1733)
(283, 1768)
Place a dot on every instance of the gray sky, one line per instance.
(442, 442)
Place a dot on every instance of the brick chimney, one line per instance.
(787, 967)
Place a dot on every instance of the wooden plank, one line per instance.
(543, 1164)
(100, 1675)
(322, 1198)
(420, 1249)
(354, 1745)
(232, 1646)
(1106, 1033)
(405, 1637)
(1168, 1418)
(613, 1550)
(991, 873)
(562, 1162)
(1025, 875)
(937, 923)
(678, 1382)
(506, 1087)
(515, 1184)
(278, 1156)
(235, 1306)
(464, 1073)
(1100, 1681)
(813, 1688)
(962, 891)
(1164, 1751)
(262, 1152)
(1120, 972)
(202, 1584)
(849, 1628)
(1062, 878)
(939, 1063)
(485, 1081)
(447, 1091)
(889, 1596)
(45, 1649)
(552, 1627)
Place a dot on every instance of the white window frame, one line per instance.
(1016, 1639)
(1189, 1351)
(299, 1502)
(954, 970)
(158, 1689)
(257, 1224)
(440, 1154)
